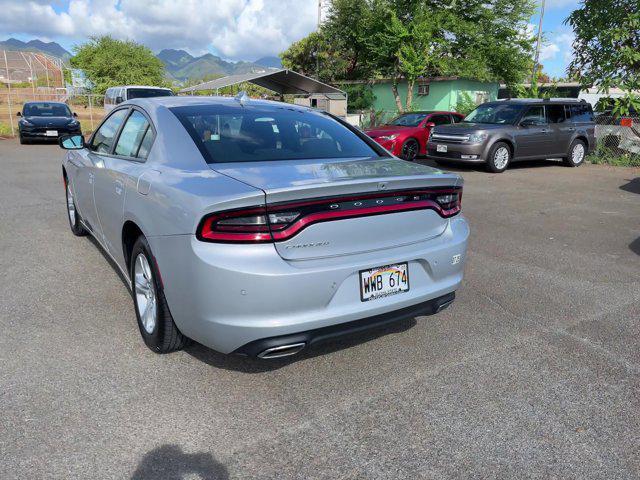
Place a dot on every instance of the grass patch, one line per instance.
(603, 155)
(5, 130)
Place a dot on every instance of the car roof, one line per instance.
(528, 101)
(186, 101)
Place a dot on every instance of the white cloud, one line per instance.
(552, 4)
(238, 29)
(548, 51)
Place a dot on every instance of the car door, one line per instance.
(533, 135)
(118, 170)
(86, 162)
(561, 129)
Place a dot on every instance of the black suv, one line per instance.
(505, 131)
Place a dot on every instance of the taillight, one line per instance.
(281, 221)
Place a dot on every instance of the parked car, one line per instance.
(259, 227)
(406, 135)
(501, 132)
(116, 95)
(46, 121)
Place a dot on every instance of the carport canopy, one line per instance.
(281, 81)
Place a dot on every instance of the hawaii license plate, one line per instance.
(51, 133)
(441, 148)
(380, 282)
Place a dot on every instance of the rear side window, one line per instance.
(132, 135)
(104, 137)
(229, 133)
(555, 113)
(581, 112)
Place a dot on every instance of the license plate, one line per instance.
(51, 133)
(441, 148)
(380, 282)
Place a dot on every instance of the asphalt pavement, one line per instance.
(534, 371)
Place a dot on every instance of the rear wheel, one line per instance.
(576, 154)
(156, 324)
(499, 157)
(72, 212)
(410, 149)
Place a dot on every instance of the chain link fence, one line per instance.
(89, 108)
(618, 136)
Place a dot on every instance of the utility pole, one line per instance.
(534, 74)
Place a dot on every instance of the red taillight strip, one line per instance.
(209, 231)
(318, 217)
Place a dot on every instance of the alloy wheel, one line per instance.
(145, 293)
(577, 154)
(410, 150)
(501, 157)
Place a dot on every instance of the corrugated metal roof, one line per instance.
(282, 81)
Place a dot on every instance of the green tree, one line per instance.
(108, 62)
(407, 39)
(607, 48)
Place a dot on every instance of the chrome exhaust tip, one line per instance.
(444, 305)
(282, 351)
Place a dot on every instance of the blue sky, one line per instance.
(233, 29)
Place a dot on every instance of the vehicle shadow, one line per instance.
(169, 462)
(110, 261)
(632, 186)
(635, 246)
(239, 363)
(480, 167)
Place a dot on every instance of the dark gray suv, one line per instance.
(497, 133)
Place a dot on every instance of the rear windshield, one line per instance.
(147, 92)
(229, 133)
(496, 113)
(46, 110)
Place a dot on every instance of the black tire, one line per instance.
(164, 337)
(23, 141)
(579, 149)
(496, 152)
(410, 149)
(74, 218)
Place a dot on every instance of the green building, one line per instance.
(437, 93)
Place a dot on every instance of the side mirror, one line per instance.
(75, 114)
(429, 125)
(18, 114)
(119, 100)
(71, 142)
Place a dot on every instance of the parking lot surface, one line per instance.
(534, 371)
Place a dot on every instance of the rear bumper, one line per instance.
(227, 296)
(312, 337)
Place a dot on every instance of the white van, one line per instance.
(116, 95)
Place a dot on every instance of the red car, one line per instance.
(406, 135)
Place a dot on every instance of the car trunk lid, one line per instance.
(346, 206)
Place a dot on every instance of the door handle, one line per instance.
(91, 177)
(545, 130)
(572, 129)
(119, 187)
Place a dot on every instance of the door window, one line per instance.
(103, 139)
(133, 132)
(555, 113)
(535, 115)
(440, 119)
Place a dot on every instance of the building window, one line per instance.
(482, 97)
(423, 89)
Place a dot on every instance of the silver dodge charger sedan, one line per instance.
(259, 227)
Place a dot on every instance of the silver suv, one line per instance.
(498, 133)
